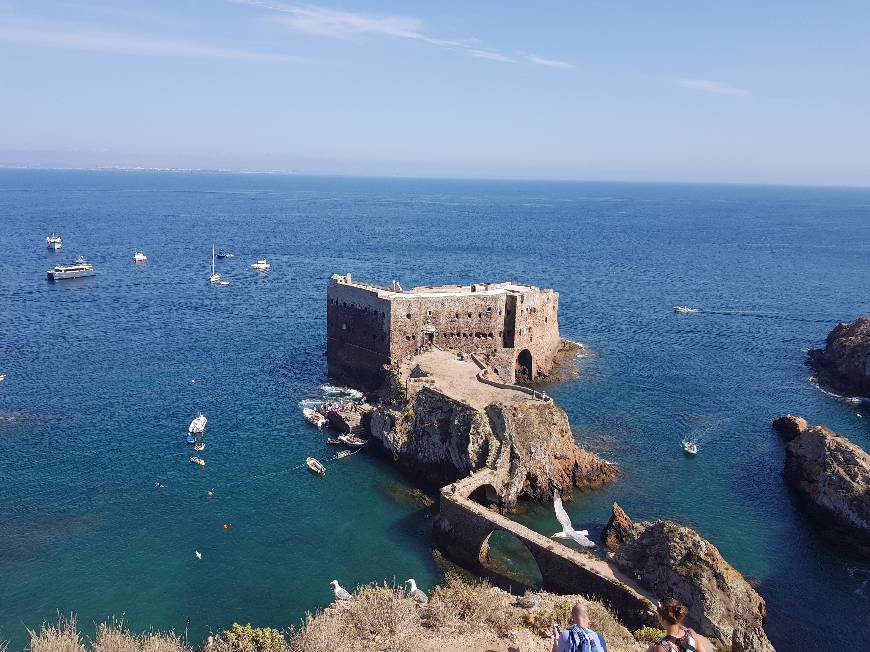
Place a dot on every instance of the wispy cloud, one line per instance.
(73, 38)
(713, 87)
(336, 23)
(549, 63)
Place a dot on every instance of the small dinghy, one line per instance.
(315, 466)
(191, 439)
(199, 446)
(197, 425)
(197, 460)
(690, 447)
(343, 453)
(314, 417)
(351, 440)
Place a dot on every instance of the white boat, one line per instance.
(690, 447)
(215, 278)
(314, 417)
(2, 377)
(261, 265)
(139, 257)
(79, 269)
(315, 466)
(685, 310)
(197, 426)
(351, 440)
(54, 242)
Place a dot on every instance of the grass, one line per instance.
(380, 617)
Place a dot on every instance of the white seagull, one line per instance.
(198, 554)
(568, 531)
(417, 595)
(340, 593)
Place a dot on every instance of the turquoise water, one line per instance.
(98, 393)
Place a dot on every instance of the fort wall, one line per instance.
(514, 326)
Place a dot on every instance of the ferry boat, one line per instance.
(79, 269)
(54, 242)
(261, 265)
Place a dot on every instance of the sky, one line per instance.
(696, 91)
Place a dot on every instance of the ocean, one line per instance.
(99, 387)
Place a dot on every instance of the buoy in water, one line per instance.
(226, 526)
(210, 492)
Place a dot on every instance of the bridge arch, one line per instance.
(509, 561)
(525, 366)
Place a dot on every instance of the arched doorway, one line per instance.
(524, 371)
(485, 495)
(509, 564)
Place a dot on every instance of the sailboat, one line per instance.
(215, 277)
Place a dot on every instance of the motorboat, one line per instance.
(190, 439)
(225, 254)
(199, 446)
(2, 377)
(197, 426)
(139, 257)
(261, 265)
(333, 441)
(215, 278)
(315, 466)
(79, 269)
(690, 447)
(197, 460)
(351, 440)
(685, 310)
(314, 417)
(343, 453)
(54, 242)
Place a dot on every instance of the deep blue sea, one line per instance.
(98, 391)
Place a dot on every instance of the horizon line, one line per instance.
(412, 177)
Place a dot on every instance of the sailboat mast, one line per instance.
(212, 259)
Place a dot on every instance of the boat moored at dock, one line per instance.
(80, 268)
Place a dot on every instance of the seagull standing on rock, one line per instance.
(340, 593)
(568, 531)
(416, 594)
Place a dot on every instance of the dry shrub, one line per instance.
(318, 634)
(461, 606)
(62, 637)
(381, 613)
(648, 634)
(115, 637)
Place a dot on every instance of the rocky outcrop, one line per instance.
(672, 560)
(790, 426)
(844, 362)
(618, 528)
(439, 439)
(833, 475)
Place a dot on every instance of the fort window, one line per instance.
(428, 313)
(344, 327)
(408, 315)
(469, 314)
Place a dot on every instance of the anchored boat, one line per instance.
(261, 265)
(315, 466)
(684, 310)
(54, 242)
(690, 447)
(314, 417)
(197, 426)
(79, 269)
(351, 440)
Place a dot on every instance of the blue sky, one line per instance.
(768, 92)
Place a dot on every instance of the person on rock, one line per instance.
(578, 637)
(678, 638)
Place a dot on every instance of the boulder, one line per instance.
(844, 362)
(618, 528)
(790, 426)
(833, 475)
(671, 560)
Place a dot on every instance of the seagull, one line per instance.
(568, 532)
(340, 593)
(417, 595)
(198, 554)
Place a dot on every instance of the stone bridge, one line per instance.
(463, 527)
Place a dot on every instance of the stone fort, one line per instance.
(512, 327)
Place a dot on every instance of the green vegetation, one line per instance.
(250, 639)
(648, 634)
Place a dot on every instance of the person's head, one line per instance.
(671, 612)
(580, 615)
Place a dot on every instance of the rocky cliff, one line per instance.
(439, 439)
(830, 472)
(671, 560)
(844, 362)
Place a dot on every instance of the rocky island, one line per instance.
(831, 474)
(843, 364)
